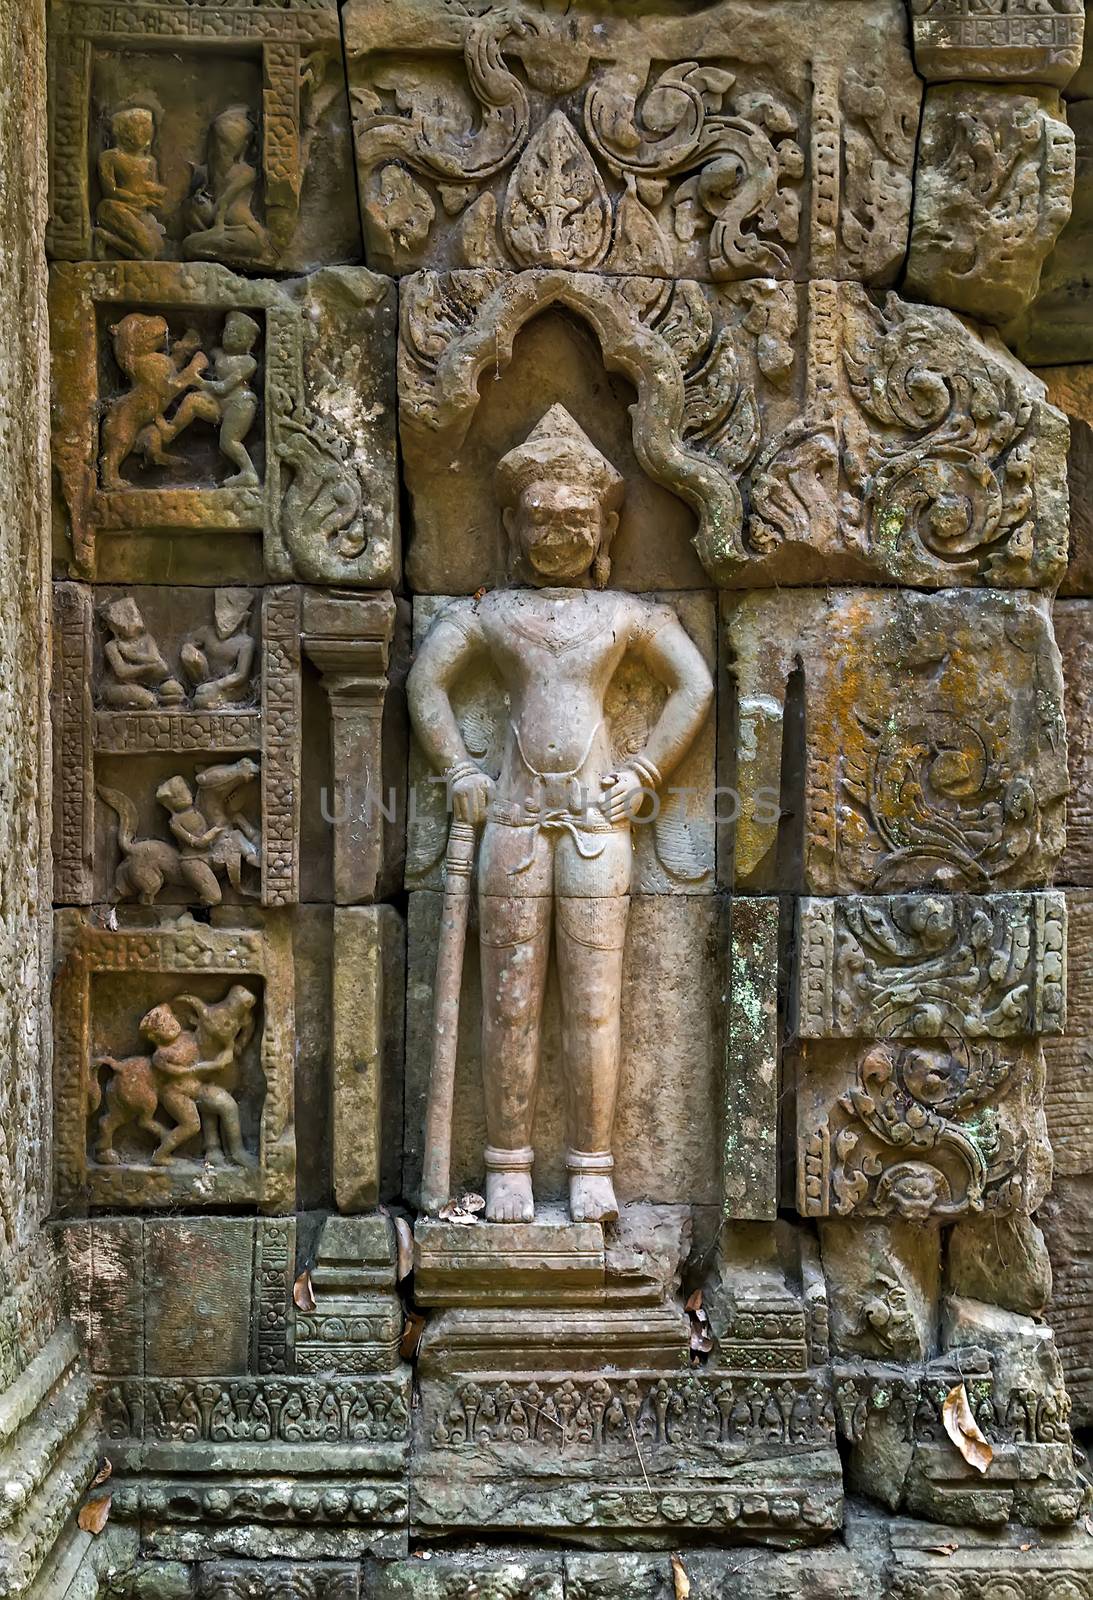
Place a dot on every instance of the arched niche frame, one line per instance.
(685, 349)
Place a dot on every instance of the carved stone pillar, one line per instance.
(349, 639)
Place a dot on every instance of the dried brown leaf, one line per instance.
(412, 1329)
(701, 1343)
(694, 1302)
(680, 1579)
(94, 1514)
(963, 1429)
(942, 1549)
(303, 1295)
(106, 1468)
(404, 1241)
(472, 1202)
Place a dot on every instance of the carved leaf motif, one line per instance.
(556, 210)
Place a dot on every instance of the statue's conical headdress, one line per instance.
(558, 448)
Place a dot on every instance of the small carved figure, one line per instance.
(228, 398)
(217, 657)
(139, 679)
(176, 1078)
(154, 366)
(557, 843)
(223, 841)
(147, 864)
(237, 842)
(125, 218)
(219, 211)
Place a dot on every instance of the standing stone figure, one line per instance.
(556, 846)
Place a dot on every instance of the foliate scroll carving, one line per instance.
(993, 190)
(264, 1580)
(697, 357)
(173, 1066)
(919, 452)
(943, 766)
(289, 1412)
(927, 966)
(200, 151)
(193, 403)
(510, 139)
(1007, 41)
(921, 1131)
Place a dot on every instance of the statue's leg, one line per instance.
(592, 910)
(514, 930)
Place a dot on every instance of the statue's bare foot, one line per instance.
(509, 1197)
(592, 1197)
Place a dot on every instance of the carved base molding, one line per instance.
(889, 1559)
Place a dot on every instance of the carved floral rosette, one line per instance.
(634, 145)
(106, 979)
(324, 508)
(293, 43)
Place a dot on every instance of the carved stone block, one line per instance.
(752, 1083)
(657, 143)
(1065, 1216)
(176, 722)
(932, 1130)
(993, 186)
(673, 845)
(1069, 1093)
(1071, 389)
(173, 1065)
(1057, 326)
(349, 641)
(932, 966)
(1012, 42)
(366, 1038)
(777, 434)
(667, 1147)
(210, 133)
(263, 1580)
(1074, 631)
(933, 751)
(356, 1322)
(194, 404)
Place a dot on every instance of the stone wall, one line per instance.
(458, 412)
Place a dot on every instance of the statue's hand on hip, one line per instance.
(622, 794)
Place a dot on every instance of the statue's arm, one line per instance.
(673, 657)
(445, 650)
(442, 655)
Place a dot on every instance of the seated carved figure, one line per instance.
(136, 677)
(125, 218)
(219, 211)
(556, 845)
(217, 658)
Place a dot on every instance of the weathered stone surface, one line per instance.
(366, 1027)
(356, 1322)
(231, 144)
(1013, 42)
(304, 416)
(873, 439)
(1071, 389)
(1057, 326)
(1003, 1260)
(934, 752)
(994, 179)
(1065, 1217)
(747, 142)
(749, 1180)
(1069, 1066)
(1074, 631)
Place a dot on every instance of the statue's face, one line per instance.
(557, 527)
